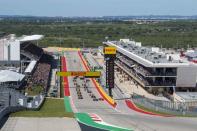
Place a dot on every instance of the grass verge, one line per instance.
(51, 108)
(36, 90)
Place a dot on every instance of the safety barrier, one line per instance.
(175, 108)
(132, 106)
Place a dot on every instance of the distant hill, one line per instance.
(103, 18)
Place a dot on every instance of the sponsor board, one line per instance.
(80, 73)
(111, 50)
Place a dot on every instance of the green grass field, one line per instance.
(50, 108)
(36, 90)
(169, 34)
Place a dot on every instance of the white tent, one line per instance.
(31, 38)
(10, 76)
(30, 67)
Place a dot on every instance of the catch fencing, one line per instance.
(178, 108)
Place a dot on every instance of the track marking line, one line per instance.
(95, 117)
(132, 106)
(73, 105)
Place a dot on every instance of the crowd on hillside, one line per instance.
(41, 74)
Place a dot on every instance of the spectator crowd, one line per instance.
(41, 74)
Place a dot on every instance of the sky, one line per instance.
(92, 8)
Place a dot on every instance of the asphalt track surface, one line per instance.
(40, 124)
(122, 115)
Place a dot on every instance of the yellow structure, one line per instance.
(110, 50)
(68, 49)
(80, 73)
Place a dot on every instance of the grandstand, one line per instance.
(4, 100)
(40, 76)
(38, 69)
(30, 63)
(156, 70)
(31, 51)
(30, 68)
(22, 65)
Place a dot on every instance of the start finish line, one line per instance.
(80, 73)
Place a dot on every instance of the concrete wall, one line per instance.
(9, 50)
(186, 76)
(15, 50)
(1, 49)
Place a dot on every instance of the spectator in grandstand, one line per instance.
(41, 74)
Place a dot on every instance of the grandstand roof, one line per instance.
(30, 67)
(147, 56)
(31, 38)
(10, 76)
(31, 50)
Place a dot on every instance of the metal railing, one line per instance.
(177, 108)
